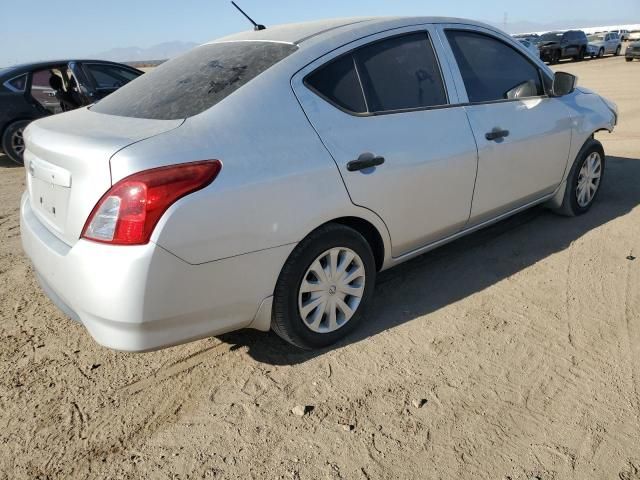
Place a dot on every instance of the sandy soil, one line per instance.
(524, 341)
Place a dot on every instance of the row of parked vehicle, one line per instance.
(35, 90)
(577, 45)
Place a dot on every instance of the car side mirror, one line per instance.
(563, 84)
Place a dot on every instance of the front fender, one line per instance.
(590, 114)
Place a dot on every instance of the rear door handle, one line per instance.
(496, 134)
(366, 160)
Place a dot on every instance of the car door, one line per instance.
(567, 45)
(615, 42)
(106, 78)
(576, 42)
(523, 135)
(388, 114)
(41, 92)
(80, 84)
(609, 48)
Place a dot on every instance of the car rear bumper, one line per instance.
(143, 297)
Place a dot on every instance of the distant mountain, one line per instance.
(162, 51)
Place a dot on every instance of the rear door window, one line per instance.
(395, 74)
(194, 82)
(491, 69)
(401, 73)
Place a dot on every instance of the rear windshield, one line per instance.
(194, 82)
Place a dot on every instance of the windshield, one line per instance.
(551, 37)
(194, 82)
(596, 38)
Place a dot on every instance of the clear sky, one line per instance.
(38, 29)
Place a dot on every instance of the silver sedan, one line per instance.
(262, 180)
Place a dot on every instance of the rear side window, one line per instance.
(338, 82)
(398, 73)
(17, 84)
(492, 70)
(194, 82)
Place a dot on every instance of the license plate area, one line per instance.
(49, 189)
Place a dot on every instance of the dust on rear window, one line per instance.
(194, 82)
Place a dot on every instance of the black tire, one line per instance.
(570, 206)
(618, 50)
(12, 140)
(555, 57)
(629, 59)
(601, 53)
(286, 320)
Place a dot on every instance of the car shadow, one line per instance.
(6, 163)
(466, 266)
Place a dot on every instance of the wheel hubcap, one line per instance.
(331, 290)
(17, 141)
(589, 179)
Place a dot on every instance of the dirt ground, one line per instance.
(524, 341)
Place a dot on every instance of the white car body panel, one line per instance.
(79, 148)
(143, 297)
(215, 256)
(435, 145)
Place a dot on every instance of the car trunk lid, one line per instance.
(67, 158)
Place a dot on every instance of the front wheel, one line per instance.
(584, 181)
(629, 59)
(13, 141)
(324, 287)
(601, 53)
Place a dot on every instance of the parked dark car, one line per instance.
(36, 90)
(555, 46)
(633, 51)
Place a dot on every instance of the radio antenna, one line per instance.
(256, 26)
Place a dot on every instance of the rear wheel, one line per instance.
(324, 287)
(584, 181)
(13, 141)
(629, 59)
(618, 50)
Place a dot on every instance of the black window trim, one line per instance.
(541, 73)
(350, 52)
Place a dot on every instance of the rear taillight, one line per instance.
(130, 210)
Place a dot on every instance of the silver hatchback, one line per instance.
(262, 180)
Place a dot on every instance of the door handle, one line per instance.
(366, 160)
(496, 134)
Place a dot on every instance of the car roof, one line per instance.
(22, 68)
(301, 33)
